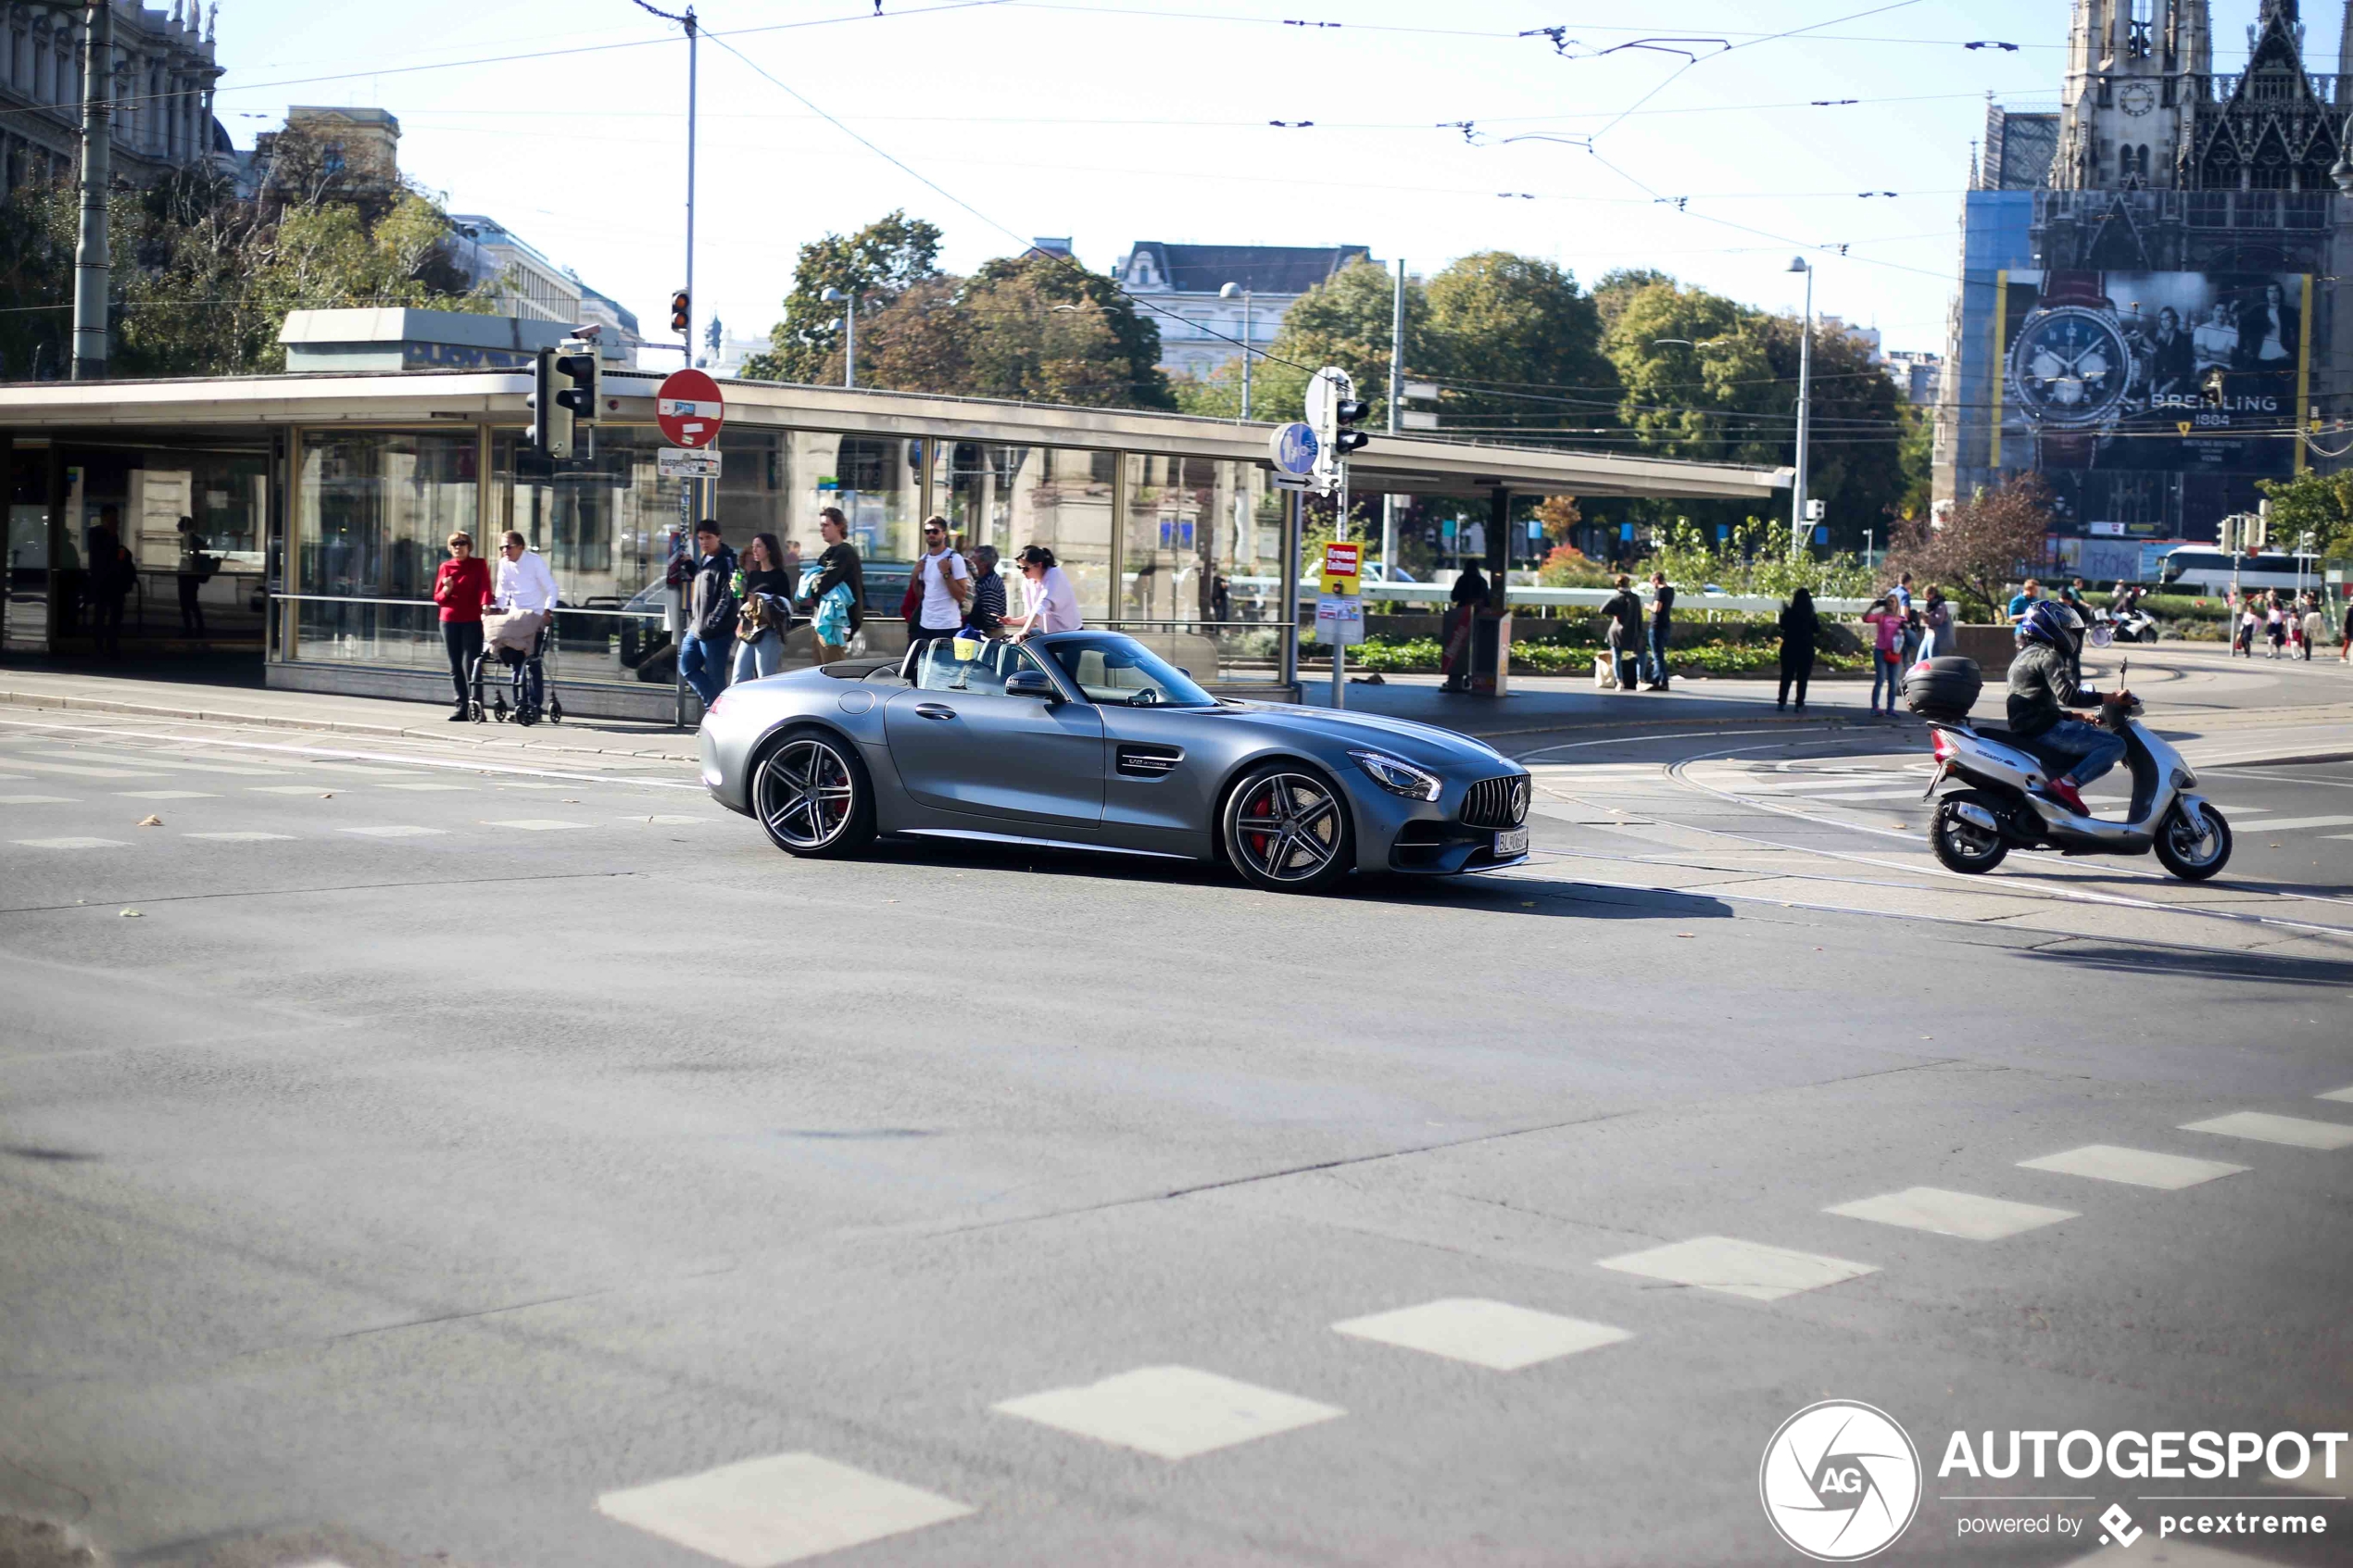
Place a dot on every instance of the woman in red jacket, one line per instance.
(461, 589)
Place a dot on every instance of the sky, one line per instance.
(1684, 135)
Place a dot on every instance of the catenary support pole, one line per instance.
(1340, 533)
(1797, 527)
(1294, 503)
(92, 264)
(1392, 505)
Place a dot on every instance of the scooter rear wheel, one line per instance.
(1960, 845)
(2193, 851)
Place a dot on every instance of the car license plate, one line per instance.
(1512, 843)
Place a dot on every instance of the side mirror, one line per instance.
(1030, 683)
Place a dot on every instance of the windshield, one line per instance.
(1116, 670)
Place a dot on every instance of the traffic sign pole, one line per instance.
(1340, 531)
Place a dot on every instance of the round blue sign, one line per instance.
(1295, 448)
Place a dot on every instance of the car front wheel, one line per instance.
(813, 796)
(1287, 830)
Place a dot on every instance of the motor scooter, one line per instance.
(1990, 802)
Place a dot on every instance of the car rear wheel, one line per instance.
(1287, 830)
(813, 796)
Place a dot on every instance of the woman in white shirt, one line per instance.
(1051, 601)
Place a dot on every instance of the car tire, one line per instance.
(1286, 828)
(812, 795)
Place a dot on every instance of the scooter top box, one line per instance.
(1942, 688)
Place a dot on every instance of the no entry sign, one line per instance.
(688, 408)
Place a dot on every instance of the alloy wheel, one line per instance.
(807, 793)
(1287, 825)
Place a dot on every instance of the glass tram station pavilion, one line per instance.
(323, 499)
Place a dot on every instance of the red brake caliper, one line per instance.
(1263, 806)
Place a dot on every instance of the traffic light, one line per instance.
(1347, 411)
(576, 364)
(551, 408)
(682, 312)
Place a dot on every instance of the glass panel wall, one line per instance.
(373, 508)
(1192, 525)
(876, 481)
(1061, 499)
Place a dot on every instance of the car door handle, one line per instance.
(935, 710)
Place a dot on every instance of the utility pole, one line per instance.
(93, 263)
(1396, 396)
(1804, 410)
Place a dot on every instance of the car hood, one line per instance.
(1425, 744)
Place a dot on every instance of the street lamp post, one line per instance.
(850, 331)
(93, 263)
(1230, 291)
(1805, 409)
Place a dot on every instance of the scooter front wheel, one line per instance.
(2191, 848)
(1963, 846)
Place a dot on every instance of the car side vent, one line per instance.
(1496, 803)
(1148, 762)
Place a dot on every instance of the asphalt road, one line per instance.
(410, 1160)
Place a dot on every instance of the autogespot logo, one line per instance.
(1840, 1481)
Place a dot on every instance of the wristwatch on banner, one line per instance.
(2069, 368)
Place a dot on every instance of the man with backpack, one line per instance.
(707, 644)
(1624, 615)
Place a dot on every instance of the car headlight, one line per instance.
(1398, 778)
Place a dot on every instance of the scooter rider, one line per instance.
(2045, 680)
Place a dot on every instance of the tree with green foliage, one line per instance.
(2314, 502)
(877, 265)
(204, 278)
(1344, 320)
(1034, 327)
(1520, 347)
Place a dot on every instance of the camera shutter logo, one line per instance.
(1840, 1481)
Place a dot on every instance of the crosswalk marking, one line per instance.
(2292, 824)
(80, 772)
(72, 843)
(238, 837)
(536, 824)
(1488, 1333)
(761, 1513)
(2135, 1167)
(37, 801)
(166, 795)
(460, 788)
(394, 831)
(151, 760)
(2344, 1094)
(1953, 1213)
(318, 788)
(1750, 1269)
(2297, 1131)
(1170, 1411)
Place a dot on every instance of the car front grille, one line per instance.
(1496, 803)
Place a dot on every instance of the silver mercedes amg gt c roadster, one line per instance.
(1088, 740)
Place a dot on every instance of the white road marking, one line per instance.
(2263, 1127)
(460, 788)
(1913, 792)
(536, 824)
(87, 772)
(151, 759)
(2136, 1167)
(37, 801)
(166, 795)
(1750, 1269)
(323, 787)
(237, 837)
(786, 1508)
(72, 843)
(393, 831)
(1488, 1333)
(2291, 825)
(671, 821)
(1170, 1411)
(1953, 1213)
(2344, 1094)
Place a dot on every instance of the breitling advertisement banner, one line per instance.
(2201, 372)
